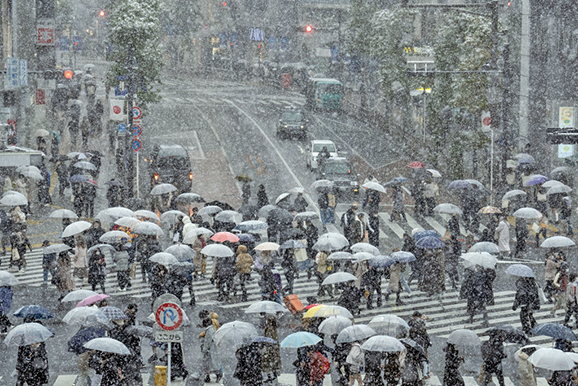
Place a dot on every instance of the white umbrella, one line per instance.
(143, 213)
(551, 359)
(281, 197)
(559, 189)
(340, 256)
(330, 241)
(193, 234)
(78, 295)
(111, 214)
(484, 246)
(56, 248)
(383, 343)
(75, 228)
(557, 242)
(264, 211)
(31, 172)
(229, 216)
(321, 184)
(164, 258)
(434, 173)
(304, 216)
(210, 210)
(551, 183)
(83, 316)
(217, 250)
(127, 222)
(513, 193)
(147, 228)
(362, 256)
(7, 279)
(265, 306)
(365, 247)
(182, 252)
(171, 216)
(267, 246)
(107, 345)
(85, 165)
(27, 333)
(113, 237)
(527, 213)
(483, 259)
(15, 199)
(162, 189)
(464, 338)
(355, 333)
(374, 186)
(448, 209)
(41, 133)
(339, 277)
(334, 324)
(391, 325)
(235, 334)
(63, 213)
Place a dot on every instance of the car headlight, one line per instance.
(285, 126)
(302, 126)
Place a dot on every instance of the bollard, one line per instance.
(160, 375)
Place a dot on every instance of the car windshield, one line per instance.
(331, 88)
(319, 146)
(172, 163)
(338, 168)
(292, 117)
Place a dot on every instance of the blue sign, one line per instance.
(23, 72)
(234, 40)
(334, 54)
(256, 35)
(63, 46)
(77, 43)
(136, 131)
(122, 128)
(272, 43)
(12, 80)
(136, 144)
(223, 40)
(284, 43)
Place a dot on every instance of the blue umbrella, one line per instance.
(554, 330)
(78, 178)
(460, 184)
(246, 238)
(76, 343)
(520, 270)
(396, 181)
(536, 179)
(402, 256)
(36, 312)
(381, 262)
(292, 244)
(430, 242)
(300, 339)
(524, 158)
(422, 234)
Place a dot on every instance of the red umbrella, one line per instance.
(225, 236)
(93, 182)
(91, 300)
(416, 165)
(312, 305)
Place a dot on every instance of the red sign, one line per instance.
(487, 121)
(40, 97)
(169, 316)
(116, 109)
(45, 36)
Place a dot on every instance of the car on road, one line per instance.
(315, 147)
(292, 123)
(341, 171)
(170, 164)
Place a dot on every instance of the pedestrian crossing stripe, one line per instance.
(211, 101)
(441, 322)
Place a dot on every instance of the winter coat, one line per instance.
(418, 332)
(65, 281)
(452, 376)
(552, 265)
(355, 356)
(433, 273)
(477, 286)
(492, 354)
(80, 257)
(398, 205)
(412, 369)
(121, 259)
(211, 360)
(503, 230)
(92, 235)
(322, 265)
(96, 268)
(526, 294)
(32, 365)
(271, 357)
(244, 260)
(248, 370)
(262, 198)
(526, 370)
(6, 294)
(395, 272)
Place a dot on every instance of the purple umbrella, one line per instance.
(430, 242)
(536, 179)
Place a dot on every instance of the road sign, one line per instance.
(136, 112)
(23, 72)
(168, 336)
(136, 144)
(136, 130)
(45, 33)
(169, 316)
(12, 80)
(122, 128)
(116, 110)
(40, 97)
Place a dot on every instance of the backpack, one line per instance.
(321, 361)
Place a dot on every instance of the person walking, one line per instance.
(371, 200)
(97, 270)
(475, 290)
(324, 209)
(572, 300)
(18, 244)
(324, 268)
(289, 265)
(211, 363)
(79, 259)
(492, 355)
(528, 301)
(561, 285)
(373, 229)
(355, 360)
(521, 235)
(552, 263)
(262, 198)
(372, 361)
(243, 266)
(6, 294)
(398, 210)
(416, 190)
(65, 283)
(48, 262)
(348, 223)
(525, 368)
(93, 234)
(452, 376)
(122, 267)
(371, 281)
(430, 193)
(395, 271)
(249, 365)
(6, 227)
(311, 235)
(63, 175)
(89, 193)
(32, 365)
(271, 357)
(300, 203)
(331, 205)
(566, 213)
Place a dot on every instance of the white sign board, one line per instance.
(566, 117)
(12, 79)
(117, 110)
(169, 336)
(565, 151)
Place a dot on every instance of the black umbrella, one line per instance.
(511, 334)
(280, 215)
(76, 343)
(220, 204)
(412, 344)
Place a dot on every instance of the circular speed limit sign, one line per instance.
(169, 316)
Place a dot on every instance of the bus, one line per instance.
(324, 94)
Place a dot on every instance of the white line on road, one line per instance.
(199, 144)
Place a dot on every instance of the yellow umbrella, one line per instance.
(311, 312)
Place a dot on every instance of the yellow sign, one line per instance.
(566, 118)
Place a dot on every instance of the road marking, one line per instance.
(274, 147)
(196, 136)
(301, 149)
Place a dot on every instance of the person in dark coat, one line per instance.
(93, 234)
(44, 186)
(289, 265)
(373, 368)
(63, 176)
(373, 229)
(6, 294)
(300, 203)
(528, 300)
(348, 223)
(454, 225)
(492, 354)
(477, 289)
(131, 364)
(248, 370)
(453, 251)
(339, 356)
(97, 270)
(416, 265)
(312, 235)
(32, 365)
(371, 200)
(226, 272)
(113, 194)
(416, 190)
(350, 298)
(323, 204)
(452, 376)
(521, 235)
(108, 366)
(391, 368)
(89, 193)
(158, 282)
(302, 366)
(418, 331)
(262, 198)
(371, 281)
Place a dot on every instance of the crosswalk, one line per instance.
(274, 102)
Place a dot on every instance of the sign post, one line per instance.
(169, 317)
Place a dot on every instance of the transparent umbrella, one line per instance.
(107, 345)
(527, 213)
(355, 333)
(27, 333)
(75, 228)
(217, 250)
(142, 213)
(365, 247)
(235, 334)
(113, 237)
(330, 241)
(182, 252)
(171, 216)
(557, 242)
(7, 279)
(484, 246)
(147, 228)
(78, 295)
(334, 324)
(162, 189)
(210, 210)
(391, 325)
(15, 199)
(63, 213)
(164, 258)
(383, 343)
(265, 306)
(56, 248)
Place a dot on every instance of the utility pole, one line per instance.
(130, 67)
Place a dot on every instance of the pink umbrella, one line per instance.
(91, 300)
(225, 236)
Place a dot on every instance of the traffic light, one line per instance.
(101, 13)
(68, 74)
(308, 29)
(50, 74)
